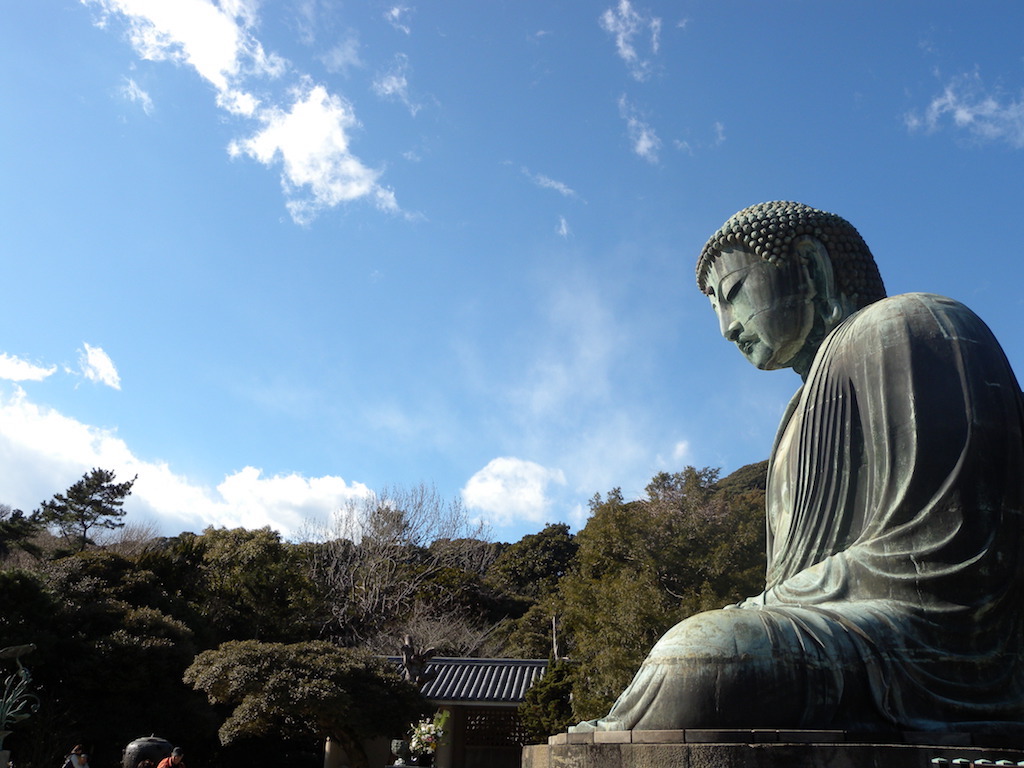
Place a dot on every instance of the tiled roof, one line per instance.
(481, 681)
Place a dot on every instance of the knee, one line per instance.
(723, 669)
(717, 637)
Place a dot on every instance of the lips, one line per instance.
(747, 343)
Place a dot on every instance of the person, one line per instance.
(174, 760)
(893, 507)
(76, 758)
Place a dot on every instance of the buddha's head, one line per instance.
(781, 275)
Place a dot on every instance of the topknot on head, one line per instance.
(768, 230)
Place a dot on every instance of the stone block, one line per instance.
(658, 737)
(614, 737)
(938, 738)
(719, 736)
(580, 738)
(811, 737)
(675, 754)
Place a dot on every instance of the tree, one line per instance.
(255, 586)
(16, 532)
(305, 690)
(547, 708)
(645, 565)
(395, 563)
(95, 501)
(108, 665)
(533, 566)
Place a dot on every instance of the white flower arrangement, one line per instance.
(427, 734)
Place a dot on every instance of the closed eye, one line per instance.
(733, 290)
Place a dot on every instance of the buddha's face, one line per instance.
(766, 310)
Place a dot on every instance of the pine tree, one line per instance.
(93, 502)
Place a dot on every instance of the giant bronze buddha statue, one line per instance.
(895, 584)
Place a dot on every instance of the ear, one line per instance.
(812, 252)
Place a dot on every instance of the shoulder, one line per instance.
(910, 304)
(912, 315)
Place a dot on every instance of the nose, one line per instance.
(731, 327)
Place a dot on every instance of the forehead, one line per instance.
(729, 261)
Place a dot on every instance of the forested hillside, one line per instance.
(235, 642)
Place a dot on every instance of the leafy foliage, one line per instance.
(254, 586)
(117, 628)
(16, 531)
(533, 566)
(547, 709)
(643, 566)
(99, 658)
(301, 690)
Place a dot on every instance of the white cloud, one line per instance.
(131, 91)
(562, 230)
(645, 141)
(394, 84)
(396, 15)
(626, 24)
(97, 366)
(15, 369)
(212, 39)
(545, 182)
(510, 490)
(42, 452)
(310, 140)
(309, 136)
(965, 103)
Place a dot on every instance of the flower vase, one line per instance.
(423, 760)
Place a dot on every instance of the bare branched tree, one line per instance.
(133, 539)
(395, 563)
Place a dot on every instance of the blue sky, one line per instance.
(273, 255)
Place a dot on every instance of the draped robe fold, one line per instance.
(895, 506)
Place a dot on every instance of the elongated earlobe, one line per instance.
(831, 307)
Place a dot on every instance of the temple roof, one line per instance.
(481, 682)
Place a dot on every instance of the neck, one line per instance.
(824, 321)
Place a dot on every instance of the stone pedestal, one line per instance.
(773, 749)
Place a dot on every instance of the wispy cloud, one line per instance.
(546, 182)
(44, 451)
(344, 56)
(394, 84)
(642, 136)
(307, 130)
(510, 490)
(397, 16)
(627, 25)
(719, 129)
(96, 365)
(15, 369)
(131, 91)
(562, 230)
(965, 104)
